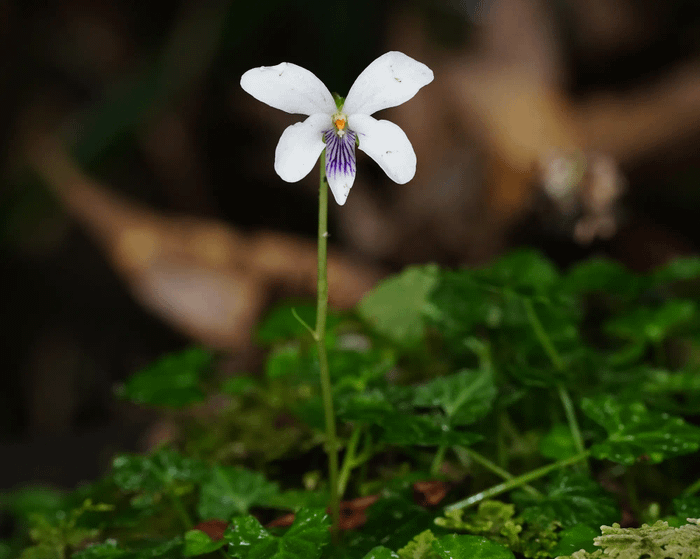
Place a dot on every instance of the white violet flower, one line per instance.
(390, 80)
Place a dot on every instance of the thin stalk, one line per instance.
(349, 461)
(181, 511)
(519, 481)
(501, 447)
(464, 452)
(542, 336)
(571, 419)
(176, 502)
(331, 445)
(558, 363)
(692, 489)
(438, 459)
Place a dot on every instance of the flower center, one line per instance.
(340, 121)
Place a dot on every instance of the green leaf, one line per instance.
(157, 472)
(635, 432)
(652, 324)
(289, 361)
(173, 381)
(297, 499)
(199, 543)
(305, 539)
(391, 522)
(602, 275)
(359, 369)
(495, 302)
(459, 303)
(396, 306)
(423, 430)
(23, 502)
(571, 498)
(238, 385)
(523, 270)
(470, 547)
(169, 549)
(465, 396)
(310, 526)
(558, 443)
(367, 407)
(679, 269)
(244, 534)
(53, 534)
(420, 547)
(232, 491)
(674, 392)
(105, 550)
(381, 552)
(575, 538)
(687, 506)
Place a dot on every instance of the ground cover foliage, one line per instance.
(510, 411)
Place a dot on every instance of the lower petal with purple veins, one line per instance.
(340, 163)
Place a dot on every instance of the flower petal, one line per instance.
(341, 164)
(290, 88)
(390, 80)
(387, 144)
(299, 147)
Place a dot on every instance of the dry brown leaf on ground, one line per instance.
(201, 276)
(507, 96)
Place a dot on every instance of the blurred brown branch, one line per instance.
(201, 276)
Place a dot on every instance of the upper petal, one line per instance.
(390, 80)
(387, 144)
(290, 88)
(300, 146)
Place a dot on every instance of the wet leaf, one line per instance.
(465, 396)
(199, 543)
(570, 499)
(396, 306)
(305, 539)
(232, 491)
(636, 433)
(470, 547)
(173, 381)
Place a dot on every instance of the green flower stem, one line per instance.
(516, 482)
(175, 501)
(437, 460)
(693, 489)
(348, 460)
(542, 336)
(320, 337)
(463, 453)
(571, 419)
(181, 511)
(501, 447)
(558, 363)
(352, 460)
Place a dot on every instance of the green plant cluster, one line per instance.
(546, 404)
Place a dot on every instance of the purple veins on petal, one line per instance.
(340, 153)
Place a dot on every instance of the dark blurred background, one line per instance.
(140, 211)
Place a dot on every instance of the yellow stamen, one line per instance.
(340, 123)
